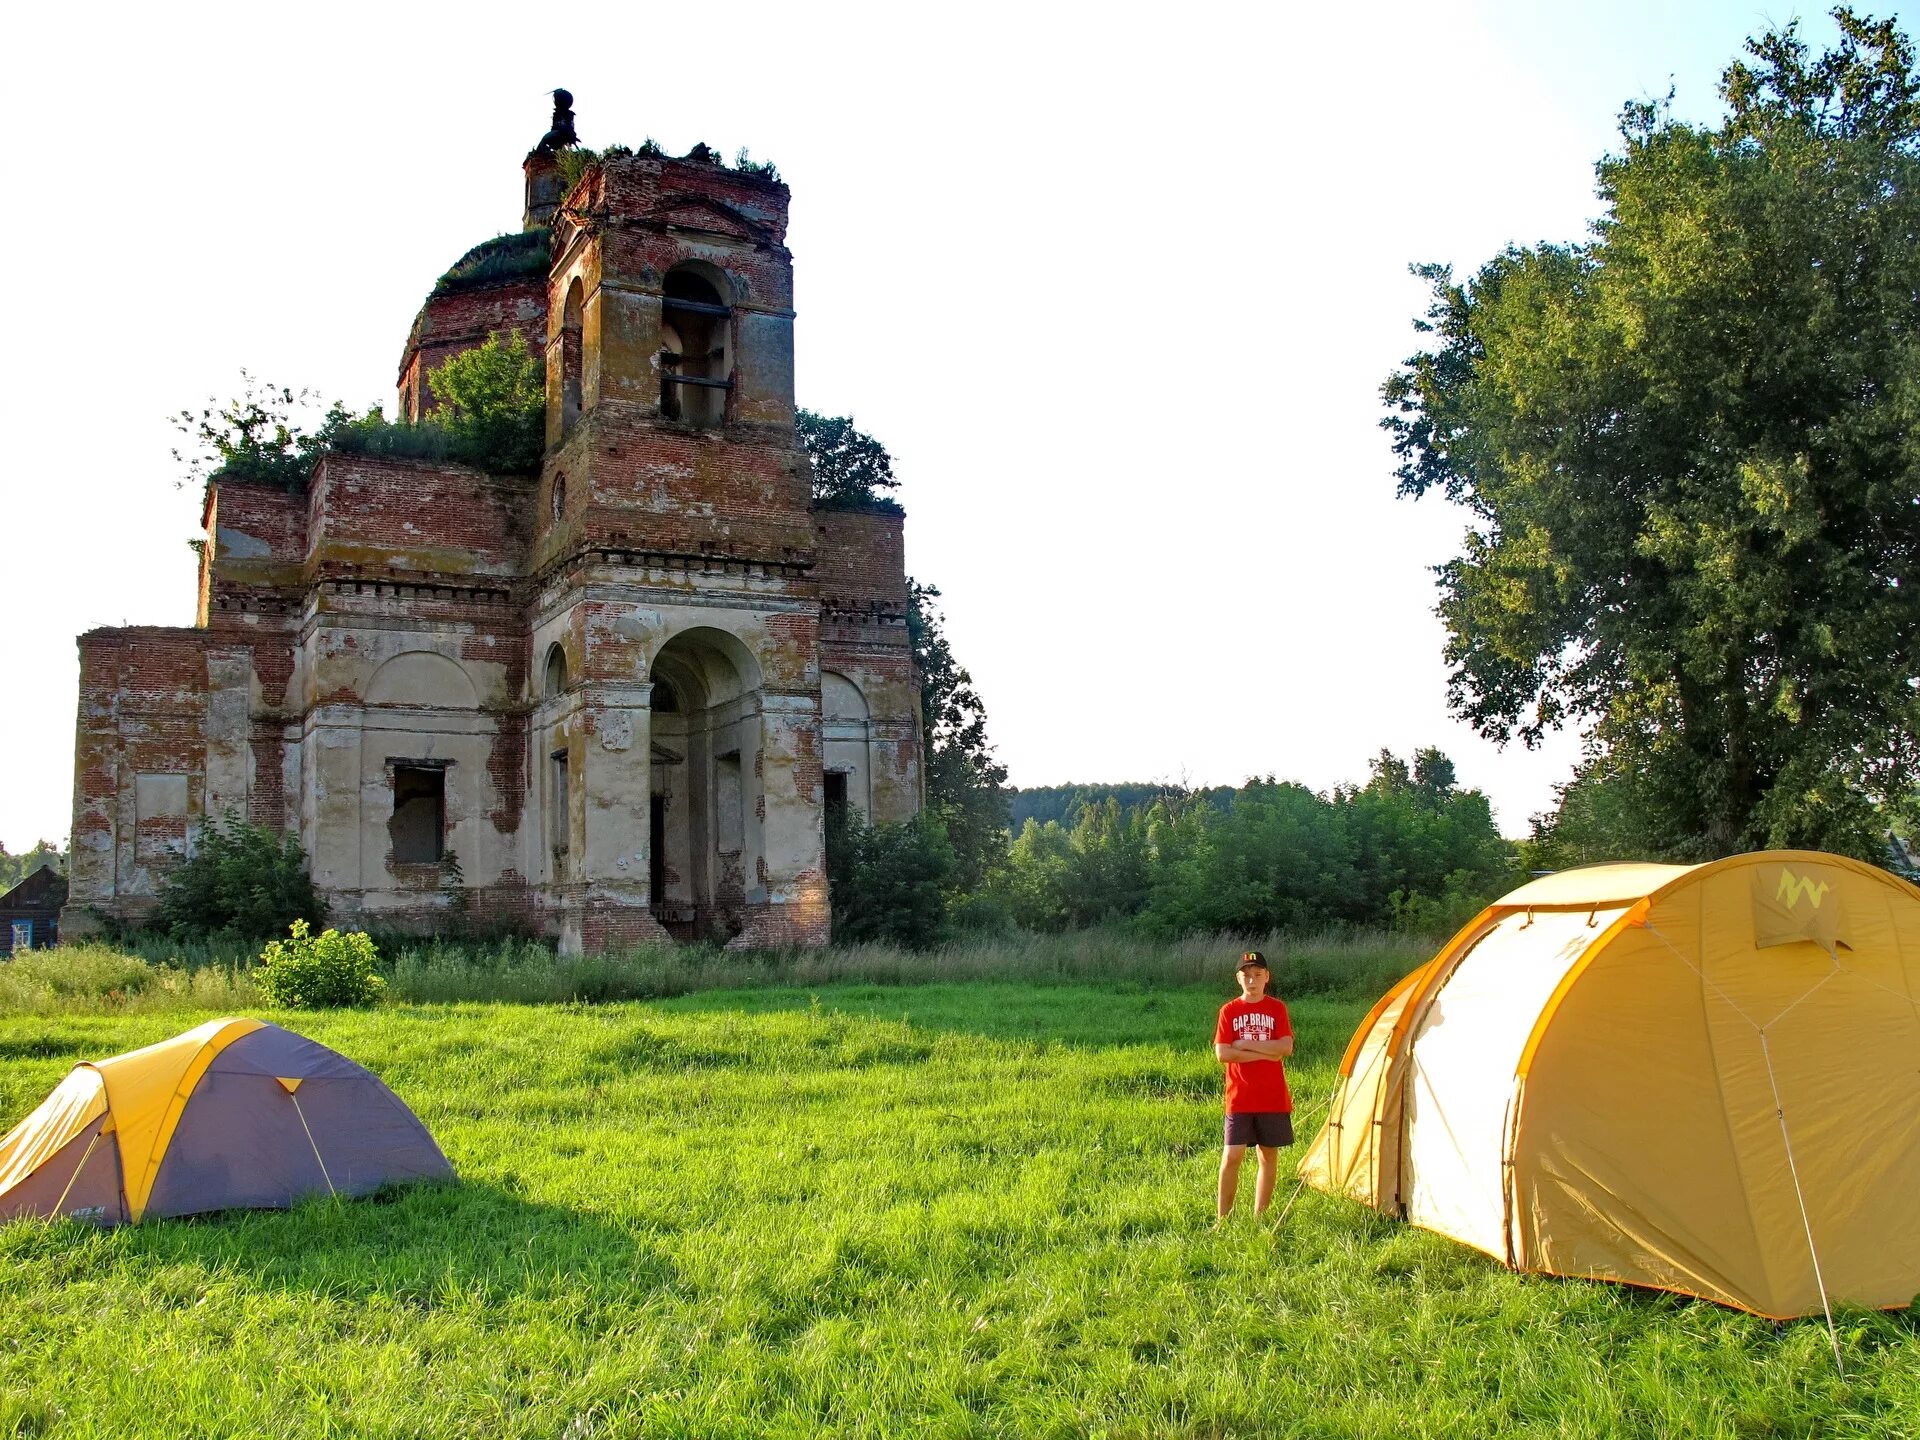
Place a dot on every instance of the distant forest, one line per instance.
(1063, 803)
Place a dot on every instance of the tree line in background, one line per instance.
(1408, 848)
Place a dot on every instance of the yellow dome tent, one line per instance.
(1700, 1078)
(232, 1114)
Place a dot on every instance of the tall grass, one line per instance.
(152, 973)
(99, 979)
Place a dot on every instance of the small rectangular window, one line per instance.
(560, 828)
(836, 796)
(419, 823)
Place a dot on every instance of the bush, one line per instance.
(492, 413)
(493, 403)
(889, 882)
(243, 880)
(312, 972)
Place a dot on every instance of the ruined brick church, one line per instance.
(608, 703)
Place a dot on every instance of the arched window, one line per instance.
(556, 680)
(846, 750)
(559, 497)
(572, 359)
(696, 349)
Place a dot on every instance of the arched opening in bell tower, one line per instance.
(696, 346)
(704, 821)
(572, 357)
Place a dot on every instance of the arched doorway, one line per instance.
(704, 825)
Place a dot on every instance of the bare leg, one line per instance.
(1230, 1161)
(1263, 1181)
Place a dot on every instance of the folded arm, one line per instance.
(1246, 1051)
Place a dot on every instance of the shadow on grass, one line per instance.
(419, 1246)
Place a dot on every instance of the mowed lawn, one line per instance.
(932, 1211)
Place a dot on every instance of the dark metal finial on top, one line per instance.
(561, 135)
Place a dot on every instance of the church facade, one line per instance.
(611, 702)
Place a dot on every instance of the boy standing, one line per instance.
(1252, 1036)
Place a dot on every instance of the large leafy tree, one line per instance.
(1689, 447)
(964, 781)
(850, 467)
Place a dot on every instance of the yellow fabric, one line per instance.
(1345, 1157)
(1593, 885)
(1357, 1153)
(73, 1105)
(146, 1091)
(1646, 1142)
(288, 1085)
(1464, 1059)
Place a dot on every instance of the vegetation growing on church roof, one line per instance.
(576, 160)
(492, 406)
(267, 435)
(492, 410)
(519, 256)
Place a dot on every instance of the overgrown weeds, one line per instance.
(156, 972)
(101, 979)
(521, 255)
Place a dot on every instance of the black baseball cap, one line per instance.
(1252, 960)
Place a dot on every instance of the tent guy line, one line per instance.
(1780, 1112)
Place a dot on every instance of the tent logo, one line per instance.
(1793, 888)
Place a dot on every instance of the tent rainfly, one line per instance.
(233, 1114)
(1699, 1078)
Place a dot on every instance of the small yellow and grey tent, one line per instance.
(1699, 1078)
(232, 1114)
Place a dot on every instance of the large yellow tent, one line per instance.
(1699, 1078)
(234, 1113)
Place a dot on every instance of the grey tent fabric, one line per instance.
(94, 1193)
(232, 1113)
(247, 1139)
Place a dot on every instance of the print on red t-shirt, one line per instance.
(1255, 1087)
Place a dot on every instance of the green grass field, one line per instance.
(942, 1210)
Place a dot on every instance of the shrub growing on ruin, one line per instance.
(491, 413)
(519, 256)
(493, 404)
(313, 972)
(267, 435)
(241, 880)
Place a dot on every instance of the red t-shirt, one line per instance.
(1255, 1086)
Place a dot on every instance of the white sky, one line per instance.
(1117, 284)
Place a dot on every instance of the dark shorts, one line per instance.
(1266, 1127)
